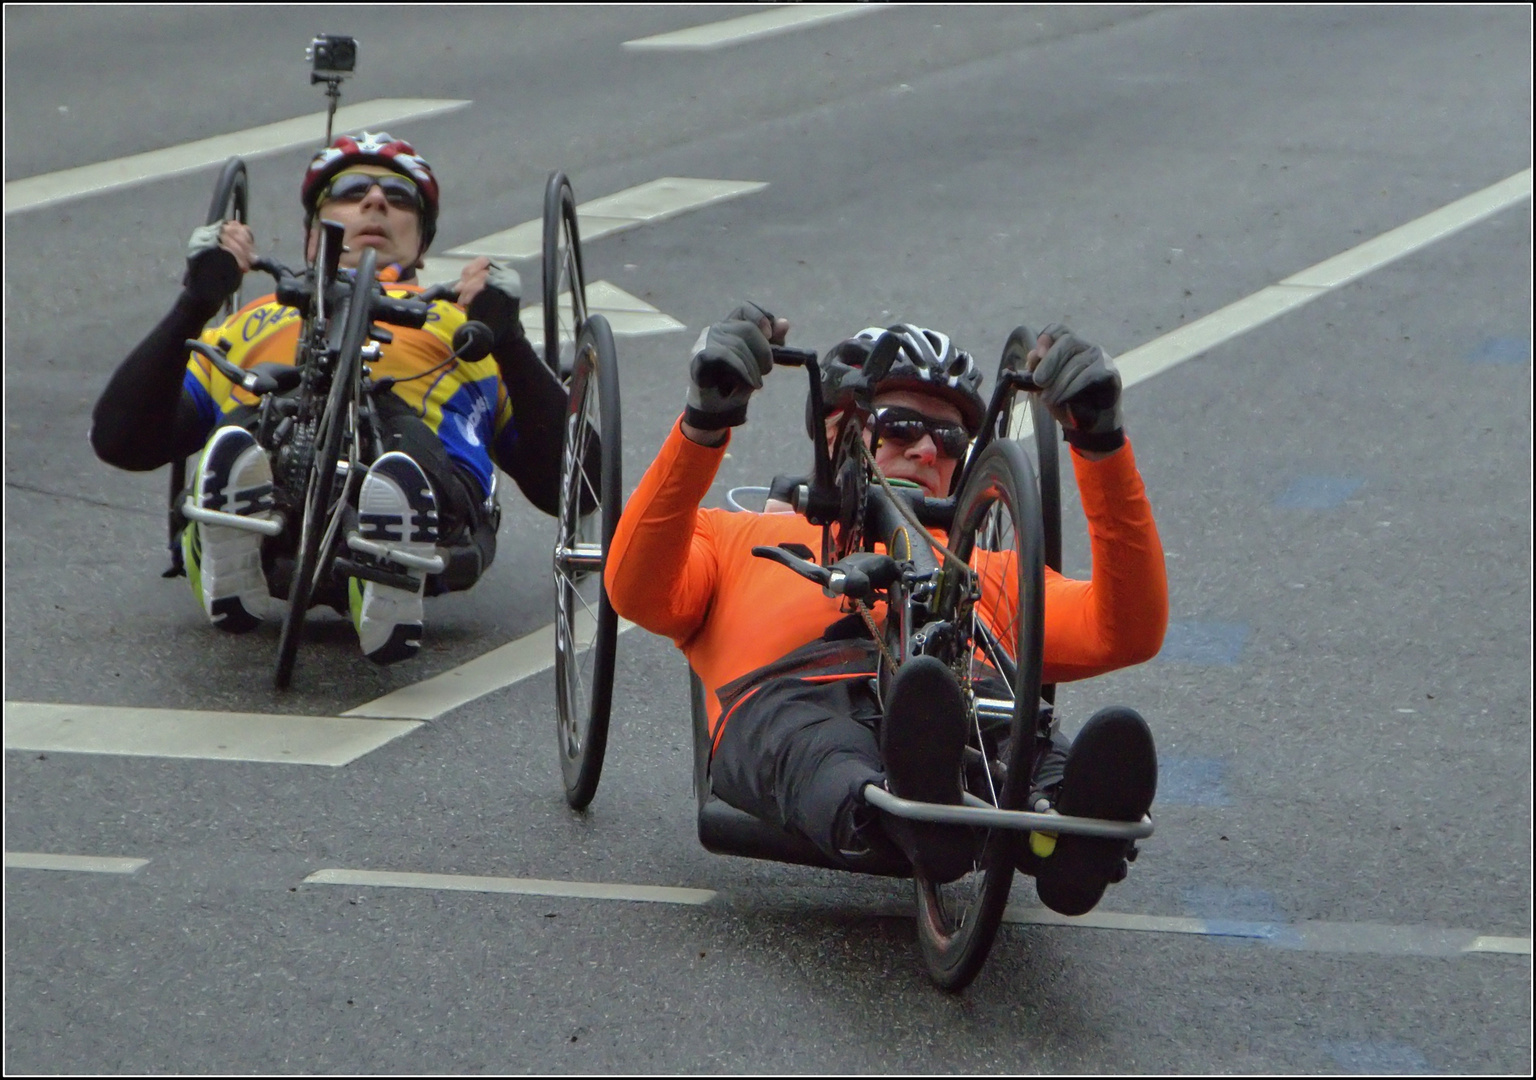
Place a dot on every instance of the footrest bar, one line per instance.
(433, 565)
(267, 527)
(991, 817)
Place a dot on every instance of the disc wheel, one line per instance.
(997, 604)
(323, 502)
(565, 284)
(586, 626)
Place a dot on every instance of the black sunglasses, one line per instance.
(354, 187)
(906, 426)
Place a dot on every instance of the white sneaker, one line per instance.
(224, 564)
(396, 508)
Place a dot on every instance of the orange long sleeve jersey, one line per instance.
(688, 573)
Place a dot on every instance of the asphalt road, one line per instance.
(1343, 706)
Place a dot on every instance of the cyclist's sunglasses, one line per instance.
(906, 426)
(353, 187)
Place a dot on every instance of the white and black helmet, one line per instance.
(900, 357)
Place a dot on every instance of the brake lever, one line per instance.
(253, 382)
(858, 577)
(804, 567)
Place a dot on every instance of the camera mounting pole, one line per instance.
(333, 94)
(332, 58)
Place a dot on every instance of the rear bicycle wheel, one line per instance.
(997, 603)
(586, 626)
(565, 283)
(323, 502)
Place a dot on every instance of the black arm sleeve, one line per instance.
(145, 418)
(538, 422)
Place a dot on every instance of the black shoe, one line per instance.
(922, 738)
(1111, 773)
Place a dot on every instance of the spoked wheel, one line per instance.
(323, 499)
(230, 198)
(565, 284)
(585, 623)
(1047, 457)
(997, 532)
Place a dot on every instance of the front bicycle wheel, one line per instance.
(565, 283)
(586, 626)
(323, 502)
(996, 601)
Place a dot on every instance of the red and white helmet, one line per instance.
(372, 149)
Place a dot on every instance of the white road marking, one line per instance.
(103, 729)
(38, 191)
(1518, 945)
(511, 663)
(628, 316)
(87, 864)
(781, 20)
(1373, 938)
(1303, 287)
(644, 204)
(580, 890)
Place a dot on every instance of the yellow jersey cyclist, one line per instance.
(446, 424)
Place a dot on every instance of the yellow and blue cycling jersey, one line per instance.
(464, 404)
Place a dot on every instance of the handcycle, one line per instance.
(317, 421)
(975, 600)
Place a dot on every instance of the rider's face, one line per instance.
(921, 462)
(392, 231)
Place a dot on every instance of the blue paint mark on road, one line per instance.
(1318, 492)
(1241, 913)
(1208, 643)
(1192, 781)
(1379, 1058)
(1502, 350)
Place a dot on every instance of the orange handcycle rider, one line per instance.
(796, 723)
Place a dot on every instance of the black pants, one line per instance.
(797, 754)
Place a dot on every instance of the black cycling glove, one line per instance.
(729, 362)
(1082, 389)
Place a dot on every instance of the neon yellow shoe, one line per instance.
(224, 564)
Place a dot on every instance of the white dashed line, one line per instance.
(643, 204)
(80, 864)
(781, 20)
(176, 733)
(1373, 938)
(579, 890)
(38, 191)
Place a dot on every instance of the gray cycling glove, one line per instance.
(498, 304)
(212, 272)
(729, 362)
(1082, 389)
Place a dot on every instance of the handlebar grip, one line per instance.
(412, 313)
(787, 356)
